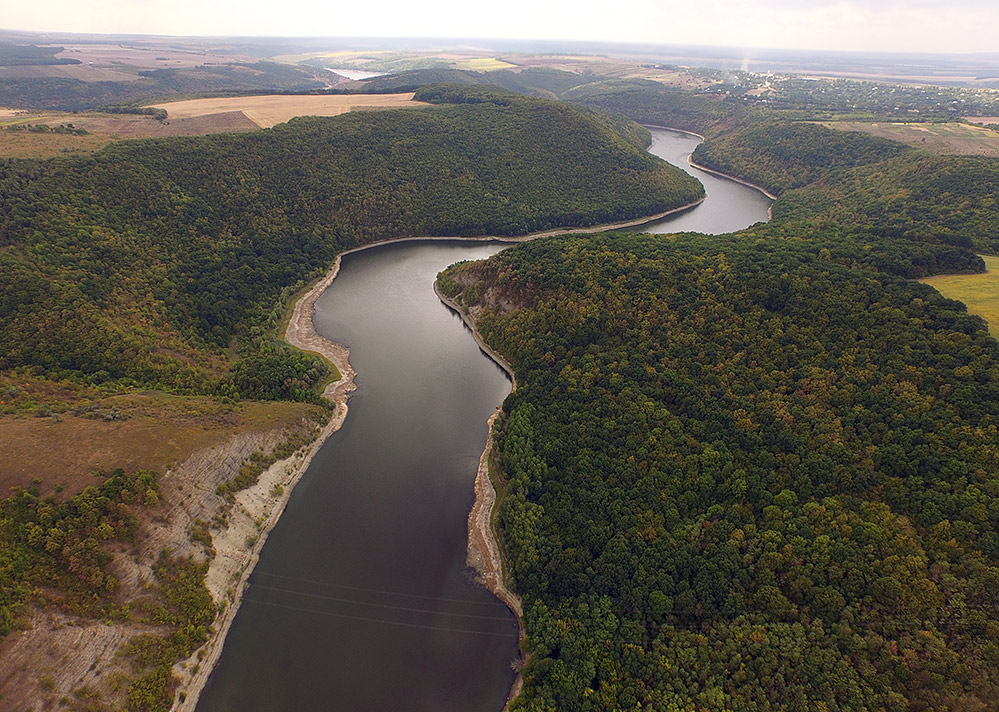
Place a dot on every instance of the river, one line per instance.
(360, 601)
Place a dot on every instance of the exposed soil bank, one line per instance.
(746, 183)
(483, 554)
(258, 508)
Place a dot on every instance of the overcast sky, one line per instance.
(888, 25)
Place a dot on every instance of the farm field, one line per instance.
(979, 291)
(173, 55)
(485, 64)
(83, 72)
(267, 111)
(194, 117)
(950, 138)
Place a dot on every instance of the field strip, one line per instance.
(268, 110)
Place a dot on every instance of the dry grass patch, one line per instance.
(269, 110)
(23, 144)
(950, 138)
(150, 430)
(103, 129)
(979, 291)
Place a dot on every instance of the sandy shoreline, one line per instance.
(259, 507)
(483, 552)
(726, 176)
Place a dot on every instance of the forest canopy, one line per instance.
(124, 266)
(743, 474)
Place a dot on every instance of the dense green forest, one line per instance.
(648, 102)
(851, 179)
(756, 471)
(744, 473)
(126, 265)
(782, 155)
(17, 55)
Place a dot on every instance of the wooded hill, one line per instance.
(743, 474)
(127, 265)
(756, 471)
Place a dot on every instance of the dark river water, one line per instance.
(360, 601)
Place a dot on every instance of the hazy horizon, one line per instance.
(955, 27)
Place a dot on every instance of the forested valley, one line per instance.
(743, 472)
(168, 264)
(113, 264)
(756, 471)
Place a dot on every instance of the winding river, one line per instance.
(360, 600)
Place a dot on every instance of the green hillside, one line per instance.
(128, 266)
(743, 474)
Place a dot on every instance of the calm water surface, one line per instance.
(359, 602)
(730, 205)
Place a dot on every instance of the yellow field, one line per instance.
(266, 111)
(979, 291)
(484, 64)
(951, 138)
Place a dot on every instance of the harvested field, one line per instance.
(150, 431)
(136, 126)
(980, 292)
(82, 72)
(484, 64)
(269, 110)
(982, 119)
(103, 129)
(950, 138)
(146, 57)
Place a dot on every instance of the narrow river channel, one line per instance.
(360, 601)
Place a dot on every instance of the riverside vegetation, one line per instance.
(755, 471)
(167, 263)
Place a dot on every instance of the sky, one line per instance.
(937, 26)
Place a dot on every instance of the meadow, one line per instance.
(979, 291)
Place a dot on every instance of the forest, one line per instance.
(110, 264)
(755, 471)
(743, 473)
